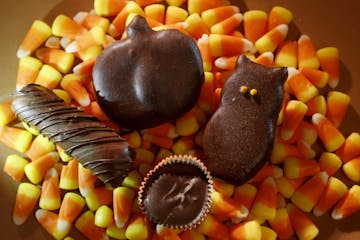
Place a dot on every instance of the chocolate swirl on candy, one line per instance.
(96, 146)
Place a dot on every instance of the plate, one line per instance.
(328, 23)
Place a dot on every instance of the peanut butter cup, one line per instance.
(176, 193)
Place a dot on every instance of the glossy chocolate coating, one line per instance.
(149, 78)
(97, 147)
(176, 200)
(238, 138)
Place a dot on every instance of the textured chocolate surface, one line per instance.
(95, 146)
(239, 136)
(149, 78)
(175, 199)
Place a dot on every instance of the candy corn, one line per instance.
(348, 204)
(117, 26)
(336, 106)
(297, 167)
(86, 180)
(187, 124)
(302, 88)
(64, 26)
(279, 15)
(226, 189)
(15, 138)
(316, 105)
(97, 197)
(26, 198)
(109, 7)
(281, 151)
(73, 85)
(303, 226)
(175, 14)
(90, 20)
(103, 216)
(351, 169)
(281, 224)
(254, 24)
(122, 201)
(156, 12)
(286, 54)
(40, 146)
(227, 25)
(306, 196)
(47, 220)
(59, 59)
(264, 206)
(69, 176)
(351, 147)
(268, 170)
(48, 77)
(329, 62)
(317, 77)
(267, 233)
(293, 115)
(271, 40)
(50, 192)
(95, 36)
(38, 33)
(330, 163)
(246, 230)
(287, 186)
(138, 228)
(330, 136)
(115, 232)
(245, 194)
(36, 170)
(213, 228)
(306, 53)
(70, 209)
(198, 6)
(14, 166)
(86, 225)
(221, 45)
(28, 69)
(216, 15)
(204, 48)
(334, 190)
(225, 207)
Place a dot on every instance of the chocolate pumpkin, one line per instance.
(148, 78)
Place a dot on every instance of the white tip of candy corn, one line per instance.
(241, 214)
(18, 220)
(72, 47)
(317, 117)
(336, 215)
(79, 17)
(292, 71)
(22, 53)
(239, 16)
(283, 29)
(303, 38)
(248, 46)
(63, 226)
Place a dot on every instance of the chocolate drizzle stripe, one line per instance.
(96, 146)
(64, 135)
(85, 143)
(33, 106)
(54, 112)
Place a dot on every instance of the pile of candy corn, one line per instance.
(300, 177)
